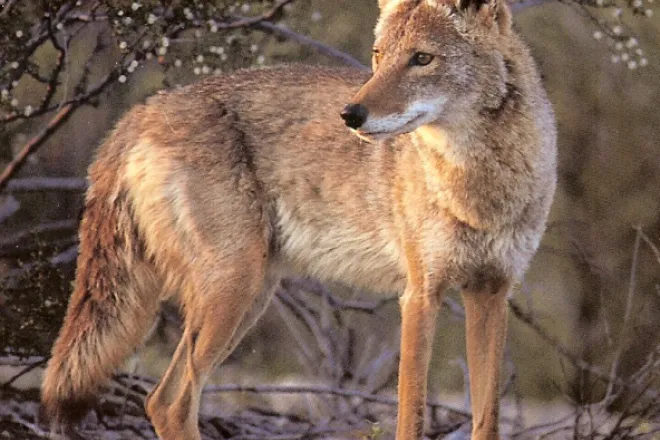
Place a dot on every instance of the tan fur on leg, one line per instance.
(486, 315)
(173, 406)
(418, 313)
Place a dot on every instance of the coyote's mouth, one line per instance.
(379, 135)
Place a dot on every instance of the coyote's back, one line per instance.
(210, 194)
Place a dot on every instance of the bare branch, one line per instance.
(304, 40)
(31, 366)
(244, 22)
(576, 361)
(34, 143)
(17, 242)
(518, 6)
(8, 208)
(35, 184)
(319, 389)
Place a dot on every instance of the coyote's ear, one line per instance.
(489, 11)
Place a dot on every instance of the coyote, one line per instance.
(209, 194)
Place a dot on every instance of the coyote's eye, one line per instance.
(421, 59)
(377, 56)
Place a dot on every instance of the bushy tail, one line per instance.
(112, 307)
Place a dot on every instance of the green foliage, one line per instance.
(377, 432)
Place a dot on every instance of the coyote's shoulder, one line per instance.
(209, 194)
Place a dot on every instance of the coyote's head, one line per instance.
(436, 61)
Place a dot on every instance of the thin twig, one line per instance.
(610, 395)
(304, 40)
(652, 246)
(36, 364)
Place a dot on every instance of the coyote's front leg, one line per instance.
(485, 320)
(419, 311)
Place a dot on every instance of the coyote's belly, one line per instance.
(338, 251)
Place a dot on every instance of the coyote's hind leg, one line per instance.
(213, 327)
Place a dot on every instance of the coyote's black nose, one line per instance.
(354, 115)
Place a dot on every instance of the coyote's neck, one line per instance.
(463, 174)
(455, 149)
(437, 156)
